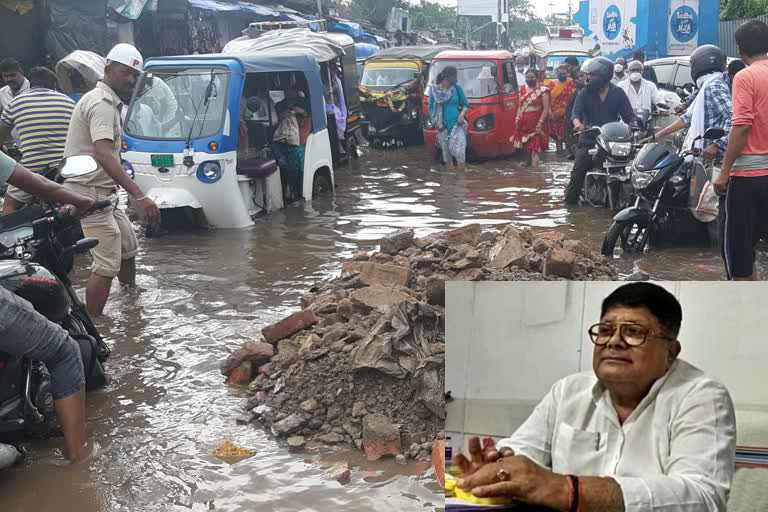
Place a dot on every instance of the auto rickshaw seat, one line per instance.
(256, 168)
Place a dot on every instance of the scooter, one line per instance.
(37, 249)
(661, 179)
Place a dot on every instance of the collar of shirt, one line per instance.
(110, 94)
(601, 397)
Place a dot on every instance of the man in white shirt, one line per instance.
(16, 83)
(643, 94)
(520, 70)
(644, 431)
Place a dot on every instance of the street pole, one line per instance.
(319, 7)
(498, 25)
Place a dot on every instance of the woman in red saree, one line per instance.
(531, 134)
(561, 91)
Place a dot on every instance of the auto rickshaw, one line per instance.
(335, 53)
(550, 50)
(391, 90)
(217, 160)
(490, 84)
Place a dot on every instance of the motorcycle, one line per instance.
(609, 184)
(37, 249)
(662, 180)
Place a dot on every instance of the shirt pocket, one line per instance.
(578, 452)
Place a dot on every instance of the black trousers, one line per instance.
(582, 164)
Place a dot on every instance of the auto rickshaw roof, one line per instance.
(475, 55)
(90, 65)
(425, 53)
(260, 62)
(545, 46)
(297, 41)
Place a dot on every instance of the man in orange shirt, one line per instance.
(745, 168)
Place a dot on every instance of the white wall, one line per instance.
(507, 343)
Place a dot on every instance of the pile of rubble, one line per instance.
(363, 363)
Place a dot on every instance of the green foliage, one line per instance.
(737, 9)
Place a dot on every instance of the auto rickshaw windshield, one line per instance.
(388, 77)
(476, 77)
(179, 104)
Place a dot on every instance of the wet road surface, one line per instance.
(160, 419)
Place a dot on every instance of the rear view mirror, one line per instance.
(79, 165)
(714, 133)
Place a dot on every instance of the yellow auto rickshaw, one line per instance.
(391, 89)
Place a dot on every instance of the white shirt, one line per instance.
(674, 453)
(520, 78)
(643, 99)
(6, 95)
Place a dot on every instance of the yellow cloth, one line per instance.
(21, 7)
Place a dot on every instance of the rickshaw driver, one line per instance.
(96, 127)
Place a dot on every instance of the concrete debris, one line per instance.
(363, 363)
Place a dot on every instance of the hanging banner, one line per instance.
(684, 27)
(612, 23)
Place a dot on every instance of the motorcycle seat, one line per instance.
(256, 168)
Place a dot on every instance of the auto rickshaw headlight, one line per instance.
(209, 172)
(485, 123)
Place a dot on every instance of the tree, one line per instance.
(431, 15)
(737, 9)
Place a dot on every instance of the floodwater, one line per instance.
(203, 294)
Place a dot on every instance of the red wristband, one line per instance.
(574, 491)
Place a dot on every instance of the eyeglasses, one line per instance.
(633, 335)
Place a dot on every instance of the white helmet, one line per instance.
(126, 54)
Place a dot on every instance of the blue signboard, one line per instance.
(612, 22)
(684, 24)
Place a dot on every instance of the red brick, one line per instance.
(289, 326)
(561, 263)
(464, 235)
(438, 461)
(552, 236)
(380, 437)
(256, 352)
(241, 375)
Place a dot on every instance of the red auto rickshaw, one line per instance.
(490, 84)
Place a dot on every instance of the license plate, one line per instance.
(161, 160)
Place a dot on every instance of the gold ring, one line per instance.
(502, 475)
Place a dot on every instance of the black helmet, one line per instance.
(707, 59)
(600, 66)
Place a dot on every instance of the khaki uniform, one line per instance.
(97, 117)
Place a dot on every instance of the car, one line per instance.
(674, 72)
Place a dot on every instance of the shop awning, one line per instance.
(242, 7)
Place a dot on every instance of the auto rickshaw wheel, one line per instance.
(321, 184)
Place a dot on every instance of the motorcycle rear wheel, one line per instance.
(632, 235)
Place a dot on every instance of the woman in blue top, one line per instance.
(448, 108)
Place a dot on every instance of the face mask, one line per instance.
(562, 77)
(618, 69)
(635, 76)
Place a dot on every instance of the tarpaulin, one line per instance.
(296, 41)
(75, 25)
(90, 65)
(243, 7)
(130, 9)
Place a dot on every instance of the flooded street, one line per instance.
(160, 419)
